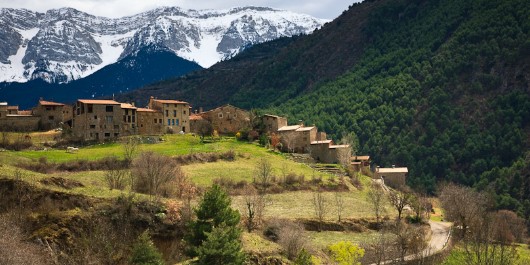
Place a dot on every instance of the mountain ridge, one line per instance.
(65, 44)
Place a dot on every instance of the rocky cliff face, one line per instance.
(65, 44)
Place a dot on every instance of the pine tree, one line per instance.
(213, 211)
(144, 252)
(222, 246)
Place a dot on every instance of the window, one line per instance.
(160, 121)
(109, 119)
(173, 121)
(92, 126)
(184, 112)
(177, 122)
(48, 108)
(51, 118)
(126, 112)
(129, 119)
(116, 134)
(95, 117)
(133, 118)
(167, 113)
(109, 108)
(90, 108)
(220, 115)
(155, 120)
(168, 122)
(174, 113)
(133, 126)
(107, 134)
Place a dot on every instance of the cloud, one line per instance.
(328, 9)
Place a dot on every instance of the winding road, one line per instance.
(441, 232)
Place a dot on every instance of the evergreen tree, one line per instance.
(222, 246)
(213, 211)
(144, 252)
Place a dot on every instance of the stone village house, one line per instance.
(176, 114)
(97, 119)
(226, 119)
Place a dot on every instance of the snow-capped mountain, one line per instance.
(65, 44)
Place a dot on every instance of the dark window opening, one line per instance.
(109, 108)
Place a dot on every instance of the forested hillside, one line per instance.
(439, 86)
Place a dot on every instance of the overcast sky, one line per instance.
(328, 9)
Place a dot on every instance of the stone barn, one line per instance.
(394, 177)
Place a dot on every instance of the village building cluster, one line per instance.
(100, 120)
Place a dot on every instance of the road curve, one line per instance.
(441, 232)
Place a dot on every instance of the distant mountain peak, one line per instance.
(69, 44)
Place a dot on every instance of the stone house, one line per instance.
(97, 119)
(52, 114)
(359, 162)
(226, 119)
(297, 138)
(327, 152)
(128, 126)
(13, 119)
(176, 114)
(272, 123)
(150, 122)
(394, 177)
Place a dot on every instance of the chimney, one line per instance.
(195, 111)
(393, 166)
(377, 169)
(132, 103)
(200, 109)
(301, 123)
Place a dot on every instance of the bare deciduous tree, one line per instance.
(462, 205)
(339, 204)
(409, 239)
(254, 207)
(153, 174)
(400, 198)
(289, 141)
(204, 128)
(130, 148)
(263, 174)
(320, 207)
(14, 248)
(376, 194)
(291, 238)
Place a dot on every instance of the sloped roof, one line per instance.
(339, 146)
(392, 170)
(362, 158)
(170, 101)
(274, 116)
(303, 129)
(98, 101)
(195, 117)
(322, 142)
(50, 103)
(289, 128)
(127, 106)
(145, 110)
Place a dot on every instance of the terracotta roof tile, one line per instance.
(49, 103)
(170, 101)
(99, 101)
(145, 110)
(289, 128)
(127, 106)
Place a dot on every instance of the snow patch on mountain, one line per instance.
(65, 44)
